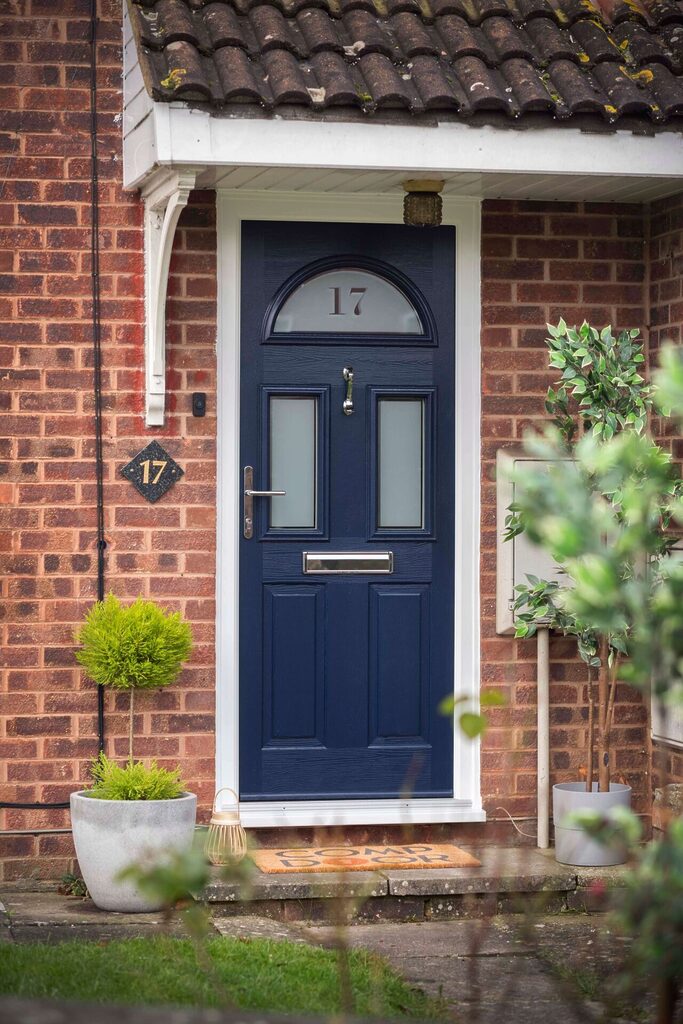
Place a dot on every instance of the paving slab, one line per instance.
(519, 869)
(461, 938)
(52, 917)
(245, 927)
(502, 971)
(612, 878)
(296, 886)
(490, 990)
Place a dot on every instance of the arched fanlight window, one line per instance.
(347, 299)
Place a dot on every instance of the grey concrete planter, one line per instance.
(572, 844)
(109, 835)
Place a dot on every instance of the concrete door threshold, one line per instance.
(509, 880)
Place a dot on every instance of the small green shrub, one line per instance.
(139, 647)
(134, 781)
(73, 885)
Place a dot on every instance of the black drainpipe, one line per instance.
(96, 335)
(97, 375)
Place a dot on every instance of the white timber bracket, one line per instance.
(165, 197)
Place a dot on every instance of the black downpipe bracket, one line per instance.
(97, 377)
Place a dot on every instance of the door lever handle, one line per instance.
(249, 495)
(347, 406)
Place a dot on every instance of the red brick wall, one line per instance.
(666, 317)
(48, 724)
(541, 261)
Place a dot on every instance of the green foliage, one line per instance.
(180, 876)
(133, 781)
(603, 507)
(600, 387)
(600, 373)
(254, 974)
(73, 885)
(542, 603)
(650, 910)
(604, 521)
(618, 826)
(472, 723)
(606, 524)
(648, 905)
(177, 879)
(136, 647)
(669, 382)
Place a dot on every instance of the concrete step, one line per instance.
(510, 880)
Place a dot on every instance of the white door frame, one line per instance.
(464, 214)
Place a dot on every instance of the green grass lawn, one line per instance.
(254, 974)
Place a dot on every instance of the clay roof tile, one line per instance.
(610, 58)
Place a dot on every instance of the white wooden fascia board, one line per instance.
(164, 200)
(185, 135)
(464, 214)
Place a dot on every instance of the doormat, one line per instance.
(363, 858)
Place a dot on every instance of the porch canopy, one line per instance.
(522, 99)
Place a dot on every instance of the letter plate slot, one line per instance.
(349, 563)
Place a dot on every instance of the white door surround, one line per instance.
(464, 214)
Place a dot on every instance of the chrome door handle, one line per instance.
(249, 495)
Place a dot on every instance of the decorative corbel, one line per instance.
(165, 198)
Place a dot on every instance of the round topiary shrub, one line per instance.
(138, 647)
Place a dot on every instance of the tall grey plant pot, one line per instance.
(110, 835)
(572, 844)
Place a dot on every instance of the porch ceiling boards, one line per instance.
(369, 59)
(560, 187)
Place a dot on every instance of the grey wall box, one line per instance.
(517, 558)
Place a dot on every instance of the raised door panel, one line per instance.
(399, 663)
(293, 664)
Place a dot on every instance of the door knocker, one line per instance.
(347, 407)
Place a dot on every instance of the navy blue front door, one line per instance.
(346, 580)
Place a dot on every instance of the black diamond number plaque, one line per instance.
(152, 471)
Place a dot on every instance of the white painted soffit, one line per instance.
(288, 155)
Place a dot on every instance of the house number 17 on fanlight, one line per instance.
(355, 297)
